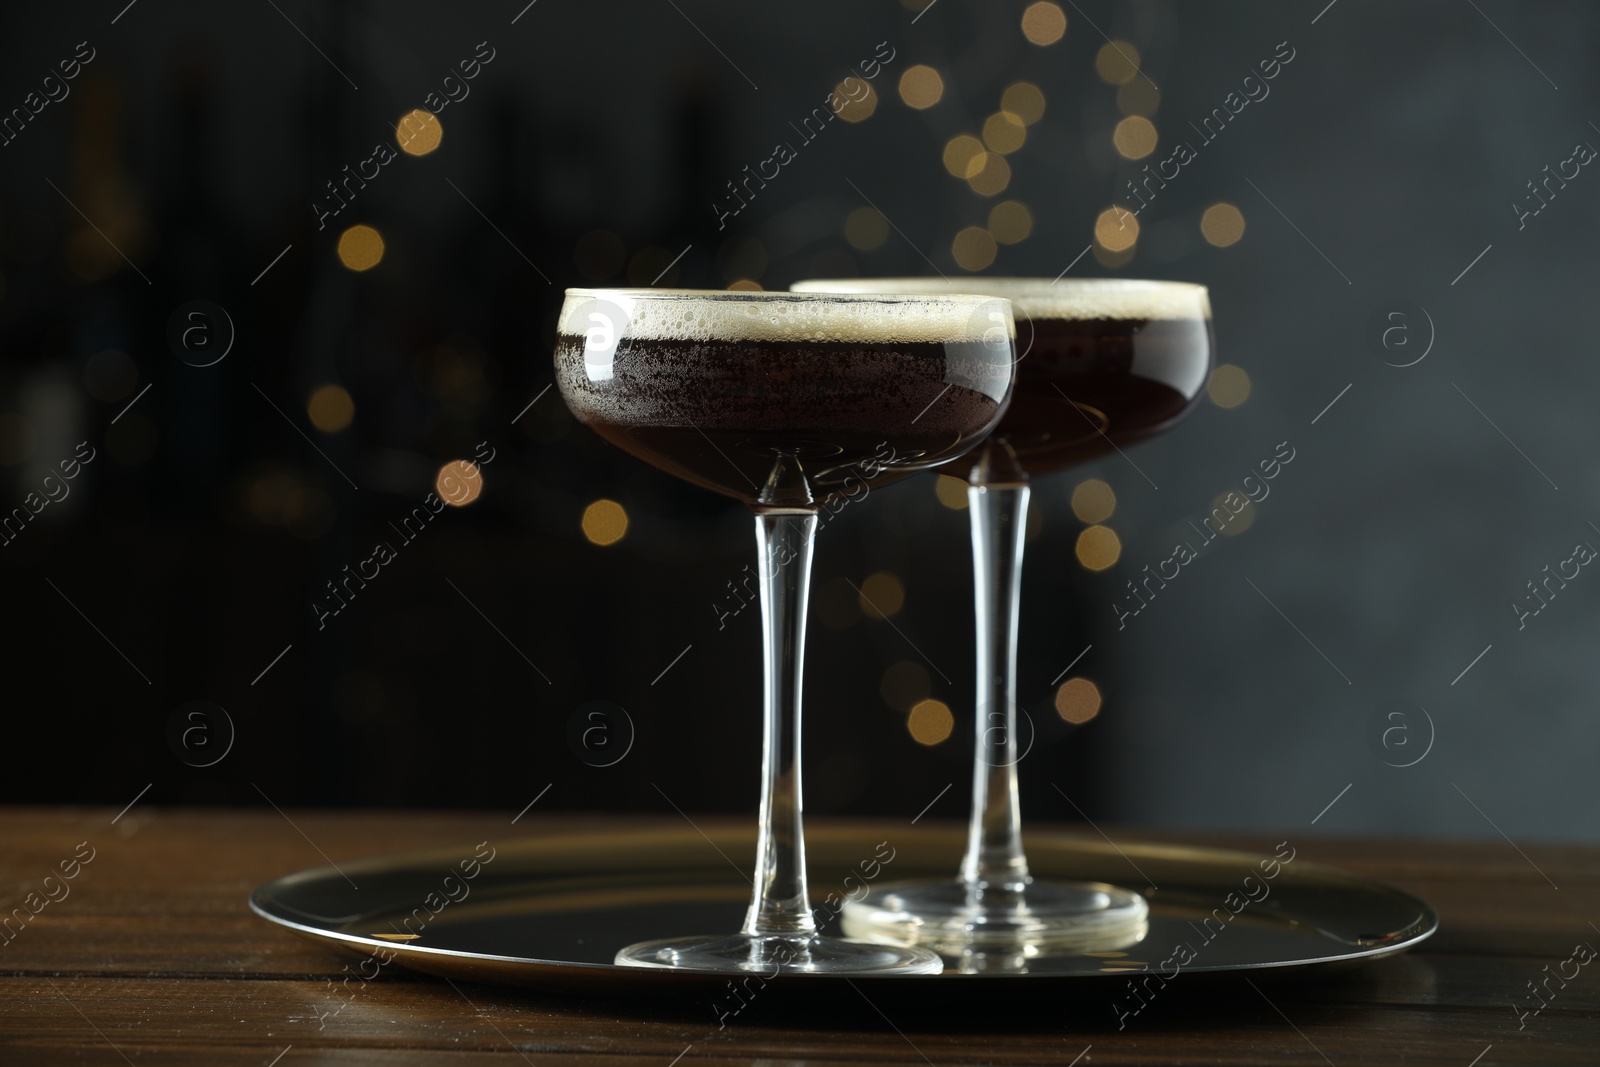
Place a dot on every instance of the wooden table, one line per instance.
(149, 955)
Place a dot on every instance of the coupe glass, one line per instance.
(788, 402)
(1101, 363)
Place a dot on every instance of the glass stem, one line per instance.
(780, 904)
(994, 843)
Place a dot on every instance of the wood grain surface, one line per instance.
(148, 954)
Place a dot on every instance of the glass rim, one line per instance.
(1031, 285)
(783, 295)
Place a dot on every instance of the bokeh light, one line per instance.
(458, 483)
(930, 722)
(1135, 137)
(1093, 501)
(330, 408)
(992, 176)
(1222, 224)
(604, 522)
(856, 107)
(1024, 100)
(963, 155)
(1098, 547)
(744, 285)
(1004, 132)
(1228, 386)
(1078, 700)
(1238, 521)
(952, 492)
(360, 248)
(921, 87)
(973, 248)
(418, 133)
(1116, 229)
(1010, 221)
(865, 228)
(1117, 62)
(1044, 22)
(882, 595)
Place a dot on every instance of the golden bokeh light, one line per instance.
(744, 285)
(1098, 547)
(605, 522)
(418, 133)
(1078, 700)
(1116, 230)
(1093, 501)
(1139, 97)
(1010, 221)
(1024, 100)
(973, 248)
(905, 685)
(1117, 62)
(330, 408)
(930, 722)
(882, 595)
(865, 228)
(458, 483)
(992, 176)
(1004, 132)
(360, 248)
(1135, 137)
(854, 106)
(921, 87)
(1228, 386)
(952, 492)
(1044, 23)
(1239, 521)
(1222, 224)
(963, 155)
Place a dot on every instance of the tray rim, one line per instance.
(610, 838)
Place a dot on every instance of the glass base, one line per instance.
(775, 954)
(1032, 918)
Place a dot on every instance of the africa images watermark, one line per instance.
(1253, 889)
(456, 490)
(455, 90)
(453, 888)
(1228, 509)
(55, 490)
(1183, 153)
(854, 89)
(55, 90)
(37, 900)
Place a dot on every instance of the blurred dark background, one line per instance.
(172, 203)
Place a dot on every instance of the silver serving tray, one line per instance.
(550, 912)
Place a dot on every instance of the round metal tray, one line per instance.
(551, 912)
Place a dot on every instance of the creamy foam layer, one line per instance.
(700, 315)
(1039, 298)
